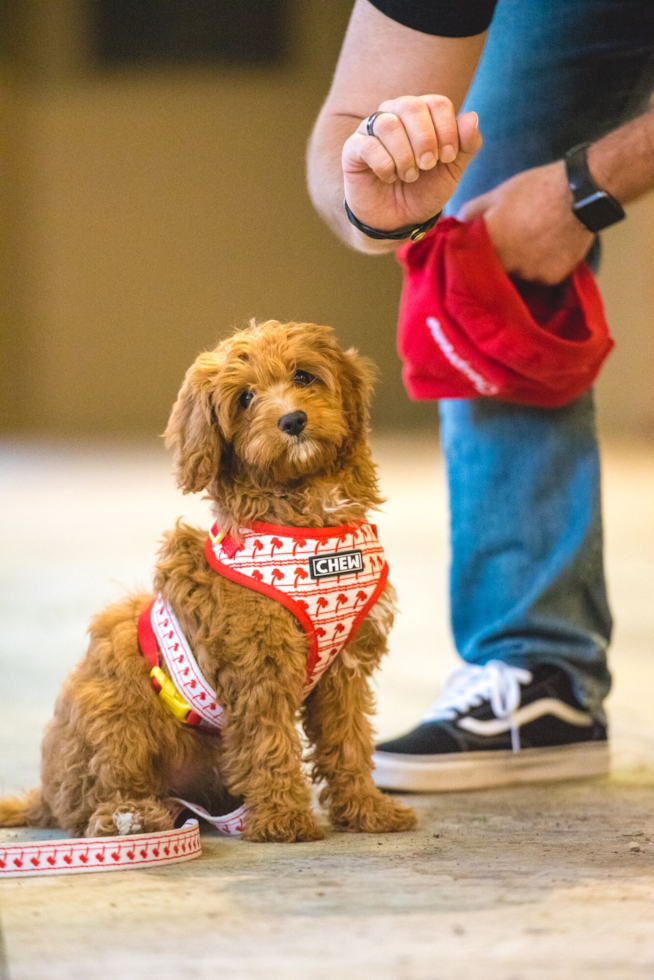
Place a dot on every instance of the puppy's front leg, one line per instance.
(336, 720)
(262, 755)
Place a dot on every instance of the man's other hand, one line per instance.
(410, 168)
(531, 224)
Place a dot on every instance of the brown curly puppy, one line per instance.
(113, 753)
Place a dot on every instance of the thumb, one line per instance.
(476, 207)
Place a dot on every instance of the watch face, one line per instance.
(598, 211)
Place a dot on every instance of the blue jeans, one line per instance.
(527, 577)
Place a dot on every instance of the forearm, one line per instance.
(380, 60)
(622, 162)
(529, 217)
(325, 180)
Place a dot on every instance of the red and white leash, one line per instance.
(81, 855)
(229, 825)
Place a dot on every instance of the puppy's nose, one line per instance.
(293, 423)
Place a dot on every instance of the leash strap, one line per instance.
(230, 824)
(82, 855)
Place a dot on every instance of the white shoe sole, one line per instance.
(487, 769)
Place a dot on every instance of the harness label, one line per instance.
(336, 564)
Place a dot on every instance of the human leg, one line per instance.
(527, 581)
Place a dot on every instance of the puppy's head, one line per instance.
(279, 401)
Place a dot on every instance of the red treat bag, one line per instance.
(468, 330)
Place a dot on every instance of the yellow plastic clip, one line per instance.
(218, 538)
(170, 695)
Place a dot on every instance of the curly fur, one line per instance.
(112, 752)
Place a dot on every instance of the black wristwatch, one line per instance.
(595, 209)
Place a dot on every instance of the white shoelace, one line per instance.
(469, 686)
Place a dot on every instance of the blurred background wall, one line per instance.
(147, 210)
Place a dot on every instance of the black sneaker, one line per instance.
(496, 725)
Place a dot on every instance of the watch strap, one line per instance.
(580, 181)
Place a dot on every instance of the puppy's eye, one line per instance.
(302, 379)
(246, 398)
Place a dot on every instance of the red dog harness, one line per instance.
(329, 578)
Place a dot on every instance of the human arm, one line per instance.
(529, 216)
(384, 63)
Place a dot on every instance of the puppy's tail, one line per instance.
(29, 810)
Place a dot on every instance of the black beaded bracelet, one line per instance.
(414, 232)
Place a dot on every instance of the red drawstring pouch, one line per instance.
(468, 330)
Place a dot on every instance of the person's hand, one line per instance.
(407, 171)
(531, 224)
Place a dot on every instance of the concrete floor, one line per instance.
(509, 885)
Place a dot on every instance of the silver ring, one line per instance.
(370, 122)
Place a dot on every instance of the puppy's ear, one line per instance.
(193, 429)
(358, 376)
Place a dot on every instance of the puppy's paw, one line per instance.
(120, 818)
(283, 826)
(373, 813)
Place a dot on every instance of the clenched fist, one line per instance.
(409, 169)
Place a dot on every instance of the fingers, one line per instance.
(469, 136)
(417, 133)
(366, 152)
(430, 125)
(473, 209)
(390, 131)
(444, 121)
